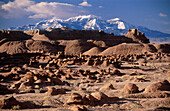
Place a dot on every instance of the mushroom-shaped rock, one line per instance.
(99, 96)
(53, 91)
(102, 98)
(106, 87)
(75, 99)
(130, 88)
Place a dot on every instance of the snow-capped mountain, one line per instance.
(92, 22)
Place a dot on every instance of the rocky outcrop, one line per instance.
(4, 90)
(106, 87)
(163, 47)
(11, 103)
(13, 35)
(137, 36)
(93, 51)
(159, 86)
(130, 89)
(75, 42)
(76, 47)
(125, 49)
(53, 91)
(28, 46)
(13, 47)
(92, 99)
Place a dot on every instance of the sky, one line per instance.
(153, 14)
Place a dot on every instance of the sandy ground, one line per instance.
(152, 73)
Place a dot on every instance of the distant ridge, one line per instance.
(92, 22)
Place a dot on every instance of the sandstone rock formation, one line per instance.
(125, 49)
(78, 108)
(130, 89)
(137, 36)
(160, 86)
(28, 46)
(10, 102)
(4, 90)
(92, 99)
(53, 91)
(77, 41)
(93, 51)
(106, 87)
(65, 69)
(163, 47)
(76, 47)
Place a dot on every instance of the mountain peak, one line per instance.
(115, 19)
(92, 22)
(83, 17)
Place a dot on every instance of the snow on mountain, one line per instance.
(92, 22)
(88, 22)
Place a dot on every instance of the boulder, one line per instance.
(99, 96)
(130, 89)
(57, 81)
(106, 87)
(10, 102)
(88, 99)
(116, 72)
(102, 98)
(75, 99)
(53, 91)
(78, 108)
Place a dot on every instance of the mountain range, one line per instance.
(92, 22)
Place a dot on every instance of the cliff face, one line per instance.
(68, 34)
(63, 39)
(14, 35)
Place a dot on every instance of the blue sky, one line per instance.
(154, 14)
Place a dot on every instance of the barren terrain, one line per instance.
(43, 72)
